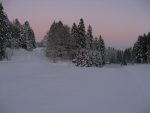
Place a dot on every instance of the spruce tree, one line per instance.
(81, 39)
(51, 43)
(148, 40)
(81, 44)
(4, 32)
(74, 40)
(89, 45)
(140, 49)
(97, 59)
(28, 37)
(148, 55)
(89, 38)
(101, 48)
(16, 34)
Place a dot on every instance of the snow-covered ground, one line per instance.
(29, 83)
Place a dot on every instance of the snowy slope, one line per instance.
(29, 83)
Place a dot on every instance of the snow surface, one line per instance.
(29, 83)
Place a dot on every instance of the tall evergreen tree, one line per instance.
(81, 44)
(148, 40)
(51, 43)
(74, 40)
(85, 58)
(81, 39)
(148, 55)
(28, 37)
(89, 38)
(4, 32)
(101, 48)
(140, 49)
(16, 34)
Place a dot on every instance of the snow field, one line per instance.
(29, 83)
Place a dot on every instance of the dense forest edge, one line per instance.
(70, 43)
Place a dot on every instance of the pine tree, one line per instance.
(16, 34)
(97, 59)
(81, 32)
(28, 37)
(32, 38)
(90, 52)
(101, 48)
(140, 49)
(148, 55)
(9, 35)
(81, 44)
(73, 40)
(148, 40)
(89, 46)
(4, 32)
(51, 44)
(144, 48)
(89, 38)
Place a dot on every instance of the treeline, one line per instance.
(14, 35)
(75, 44)
(139, 53)
(71, 43)
(118, 56)
(63, 42)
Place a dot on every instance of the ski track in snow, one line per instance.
(29, 83)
